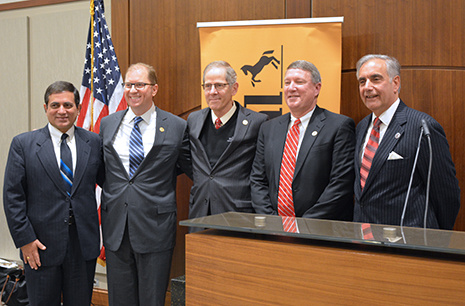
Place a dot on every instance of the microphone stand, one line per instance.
(410, 185)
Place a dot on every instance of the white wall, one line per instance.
(38, 47)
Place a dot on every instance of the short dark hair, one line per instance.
(62, 86)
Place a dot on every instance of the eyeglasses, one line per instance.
(218, 86)
(137, 85)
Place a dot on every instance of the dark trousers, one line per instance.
(73, 279)
(137, 279)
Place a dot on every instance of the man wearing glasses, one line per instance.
(222, 140)
(144, 147)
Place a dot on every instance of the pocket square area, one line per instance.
(393, 156)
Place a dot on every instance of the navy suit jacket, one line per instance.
(323, 176)
(226, 185)
(35, 199)
(382, 199)
(147, 201)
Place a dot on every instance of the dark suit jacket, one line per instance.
(226, 185)
(147, 201)
(36, 202)
(383, 197)
(324, 168)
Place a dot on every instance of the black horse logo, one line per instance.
(258, 67)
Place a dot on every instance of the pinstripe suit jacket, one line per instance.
(35, 199)
(382, 199)
(226, 185)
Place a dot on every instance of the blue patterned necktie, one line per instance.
(66, 164)
(136, 147)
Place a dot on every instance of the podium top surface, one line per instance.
(441, 241)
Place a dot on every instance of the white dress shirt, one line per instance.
(56, 140)
(304, 121)
(147, 128)
(385, 119)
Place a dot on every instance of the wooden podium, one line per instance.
(328, 262)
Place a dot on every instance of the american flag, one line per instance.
(102, 76)
(101, 79)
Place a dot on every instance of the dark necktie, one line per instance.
(285, 197)
(66, 164)
(369, 153)
(136, 147)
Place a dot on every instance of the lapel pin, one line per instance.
(245, 122)
(162, 129)
(397, 135)
(314, 133)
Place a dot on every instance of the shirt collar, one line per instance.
(56, 133)
(386, 117)
(145, 116)
(305, 119)
(226, 116)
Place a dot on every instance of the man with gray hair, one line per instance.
(385, 154)
(222, 141)
(303, 166)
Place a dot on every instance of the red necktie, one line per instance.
(370, 151)
(367, 232)
(217, 123)
(285, 198)
(289, 224)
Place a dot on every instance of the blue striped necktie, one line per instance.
(136, 147)
(66, 164)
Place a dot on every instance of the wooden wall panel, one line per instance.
(427, 37)
(417, 33)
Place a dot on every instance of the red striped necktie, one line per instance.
(369, 153)
(285, 198)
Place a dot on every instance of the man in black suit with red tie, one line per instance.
(386, 145)
(320, 185)
(49, 202)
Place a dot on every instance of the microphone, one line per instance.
(425, 127)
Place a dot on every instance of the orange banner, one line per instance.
(261, 50)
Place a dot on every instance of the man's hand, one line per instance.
(31, 253)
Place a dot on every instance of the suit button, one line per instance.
(126, 204)
(131, 182)
(66, 221)
(211, 177)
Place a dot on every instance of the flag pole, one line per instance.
(92, 18)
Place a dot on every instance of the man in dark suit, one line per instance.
(320, 185)
(222, 154)
(52, 215)
(143, 149)
(382, 180)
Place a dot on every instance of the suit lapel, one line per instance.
(361, 132)
(197, 127)
(279, 134)
(82, 157)
(112, 128)
(47, 158)
(393, 134)
(161, 126)
(313, 130)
